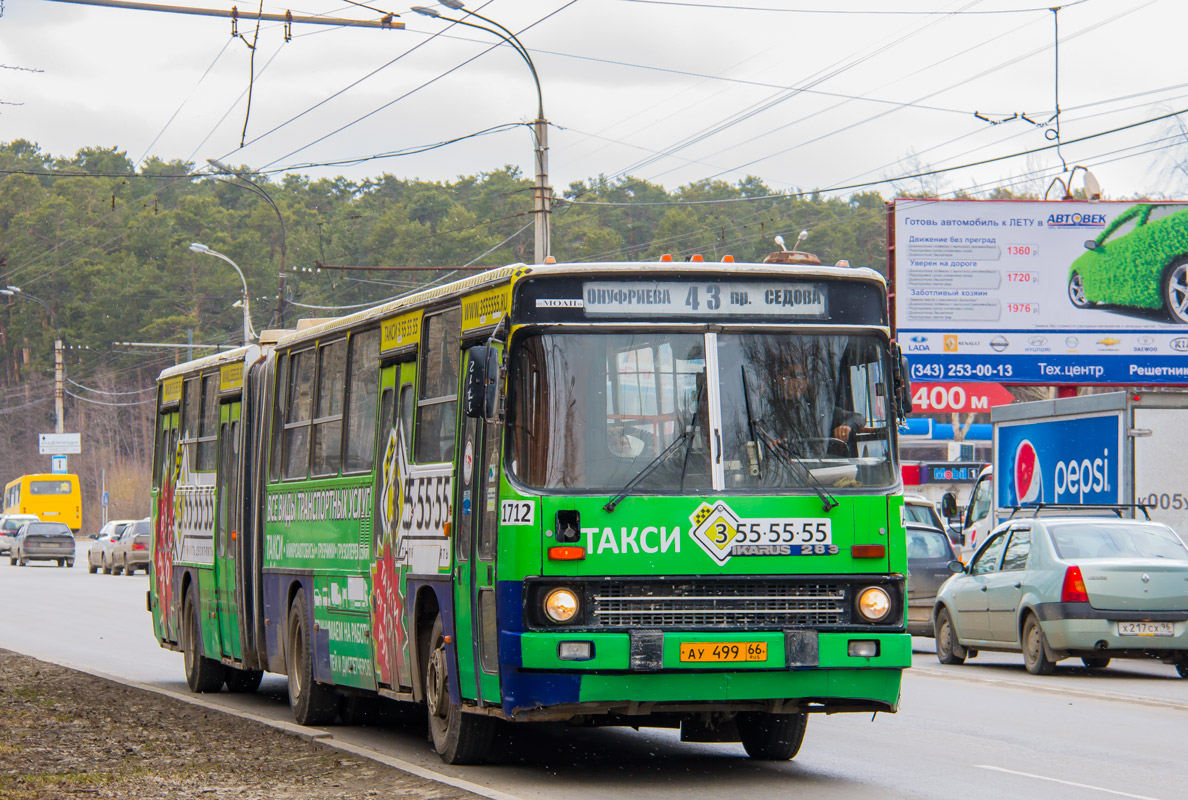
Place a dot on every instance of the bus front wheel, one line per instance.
(202, 674)
(459, 738)
(313, 703)
(771, 737)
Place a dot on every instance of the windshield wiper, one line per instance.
(792, 459)
(783, 452)
(650, 467)
(691, 431)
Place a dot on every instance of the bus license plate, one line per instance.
(1145, 629)
(723, 652)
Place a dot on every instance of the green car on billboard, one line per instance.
(1140, 260)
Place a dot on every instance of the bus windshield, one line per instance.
(591, 411)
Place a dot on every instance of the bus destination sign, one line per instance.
(699, 298)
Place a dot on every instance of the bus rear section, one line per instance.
(51, 497)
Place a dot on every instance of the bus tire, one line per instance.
(771, 737)
(203, 675)
(313, 703)
(242, 681)
(459, 738)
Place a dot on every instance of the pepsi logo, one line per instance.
(1027, 473)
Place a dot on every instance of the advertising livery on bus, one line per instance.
(659, 494)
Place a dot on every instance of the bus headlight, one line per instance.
(874, 603)
(561, 605)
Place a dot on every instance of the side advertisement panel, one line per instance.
(1073, 460)
(1042, 292)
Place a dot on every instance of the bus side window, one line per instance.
(364, 383)
(208, 425)
(298, 411)
(437, 409)
(280, 394)
(191, 414)
(327, 424)
(407, 406)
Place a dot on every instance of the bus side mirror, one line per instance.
(949, 505)
(903, 384)
(491, 388)
(482, 381)
(1090, 244)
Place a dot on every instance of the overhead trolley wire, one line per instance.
(410, 92)
(868, 184)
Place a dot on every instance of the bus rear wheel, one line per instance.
(203, 674)
(459, 738)
(771, 737)
(313, 703)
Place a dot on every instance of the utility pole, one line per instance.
(541, 202)
(59, 388)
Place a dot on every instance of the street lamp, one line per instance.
(540, 128)
(249, 335)
(59, 363)
(255, 187)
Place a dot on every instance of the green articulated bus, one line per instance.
(643, 494)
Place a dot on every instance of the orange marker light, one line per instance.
(697, 258)
(567, 553)
(727, 259)
(666, 257)
(868, 551)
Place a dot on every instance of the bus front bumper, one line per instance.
(651, 671)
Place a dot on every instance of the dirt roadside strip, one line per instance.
(69, 734)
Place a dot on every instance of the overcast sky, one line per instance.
(667, 91)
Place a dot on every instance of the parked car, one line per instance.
(99, 555)
(1095, 588)
(929, 553)
(131, 551)
(1140, 260)
(9, 525)
(43, 541)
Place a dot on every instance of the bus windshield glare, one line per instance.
(591, 411)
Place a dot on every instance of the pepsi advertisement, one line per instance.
(1061, 461)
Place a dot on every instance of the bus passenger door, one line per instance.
(161, 569)
(475, 526)
(227, 522)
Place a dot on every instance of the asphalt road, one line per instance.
(984, 730)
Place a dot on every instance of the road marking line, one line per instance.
(1066, 783)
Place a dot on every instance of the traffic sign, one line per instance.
(106, 497)
(59, 444)
(58, 465)
(931, 398)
